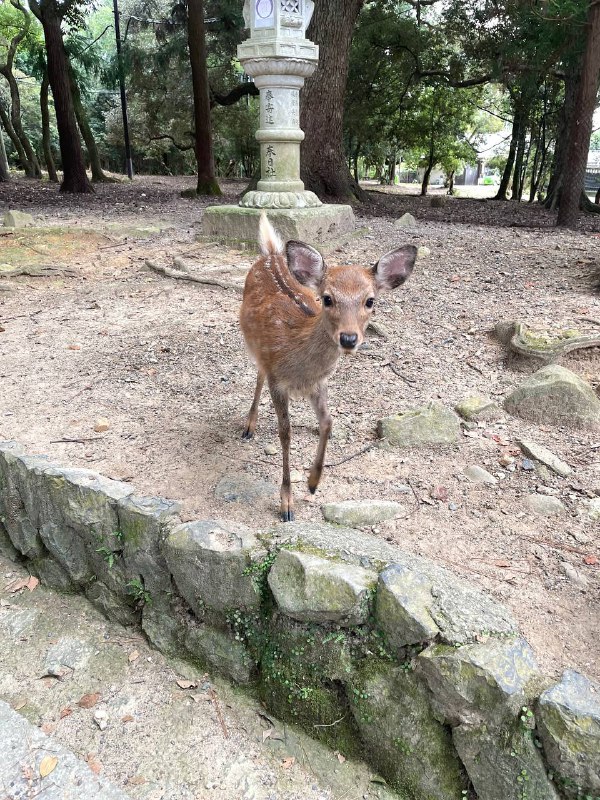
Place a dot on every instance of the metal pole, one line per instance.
(128, 160)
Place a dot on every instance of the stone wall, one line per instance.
(377, 652)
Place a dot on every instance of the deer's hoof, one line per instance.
(247, 435)
(287, 516)
(312, 489)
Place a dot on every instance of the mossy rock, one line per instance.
(408, 745)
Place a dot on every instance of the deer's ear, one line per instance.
(306, 264)
(395, 267)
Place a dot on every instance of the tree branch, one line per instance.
(242, 90)
(182, 147)
(438, 73)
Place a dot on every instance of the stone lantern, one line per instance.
(279, 57)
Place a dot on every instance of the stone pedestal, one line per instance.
(326, 227)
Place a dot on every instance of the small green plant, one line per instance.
(522, 780)
(141, 595)
(403, 745)
(107, 554)
(527, 719)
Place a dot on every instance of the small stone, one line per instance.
(423, 252)
(544, 505)
(593, 508)
(546, 457)
(406, 221)
(506, 460)
(433, 424)
(101, 718)
(358, 514)
(70, 653)
(479, 475)
(271, 449)
(17, 219)
(243, 489)
(475, 409)
(555, 395)
(573, 575)
(296, 476)
(101, 425)
(528, 465)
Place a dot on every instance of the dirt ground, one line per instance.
(163, 361)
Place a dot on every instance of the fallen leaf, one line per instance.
(137, 780)
(127, 718)
(591, 561)
(267, 734)
(88, 700)
(439, 493)
(101, 425)
(133, 656)
(32, 583)
(48, 728)
(183, 684)
(288, 762)
(18, 704)
(74, 347)
(502, 563)
(47, 765)
(93, 763)
(340, 757)
(2, 329)
(17, 585)
(66, 712)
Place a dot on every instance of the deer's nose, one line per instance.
(348, 340)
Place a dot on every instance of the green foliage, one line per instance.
(141, 596)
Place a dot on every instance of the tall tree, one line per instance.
(51, 13)
(4, 171)
(207, 183)
(580, 128)
(324, 167)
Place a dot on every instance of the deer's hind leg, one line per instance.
(281, 402)
(253, 413)
(319, 402)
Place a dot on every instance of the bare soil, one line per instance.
(163, 360)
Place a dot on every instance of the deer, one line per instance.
(298, 317)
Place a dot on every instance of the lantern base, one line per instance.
(266, 200)
(326, 227)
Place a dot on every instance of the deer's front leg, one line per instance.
(281, 402)
(319, 403)
(253, 414)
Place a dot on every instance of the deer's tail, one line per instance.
(268, 239)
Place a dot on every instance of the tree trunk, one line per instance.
(510, 161)
(562, 141)
(580, 129)
(32, 166)
(98, 175)
(4, 170)
(451, 182)
(46, 138)
(207, 183)
(16, 142)
(428, 170)
(323, 165)
(74, 175)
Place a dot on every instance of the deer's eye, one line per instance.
(327, 300)
(370, 302)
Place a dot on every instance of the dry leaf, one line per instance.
(502, 563)
(48, 728)
(93, 763)
(288, 762)
(267, 734)
(439, 493)
(47, 765)
(137, 780)
(66, 712)
(32, 583)
(74, 347)
(89, 700)
(2, 329)
(127, 718)
(133, 656)
(17, 585)
(18, 704)
(591, 561)
(183, 684)
(340, 757)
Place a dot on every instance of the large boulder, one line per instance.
(313, 589)
(17, 219)
(569, 726)
(503, 766)
(391, 708)
(433, 424)
(487, 682)
(557, 396)
(211, 563)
